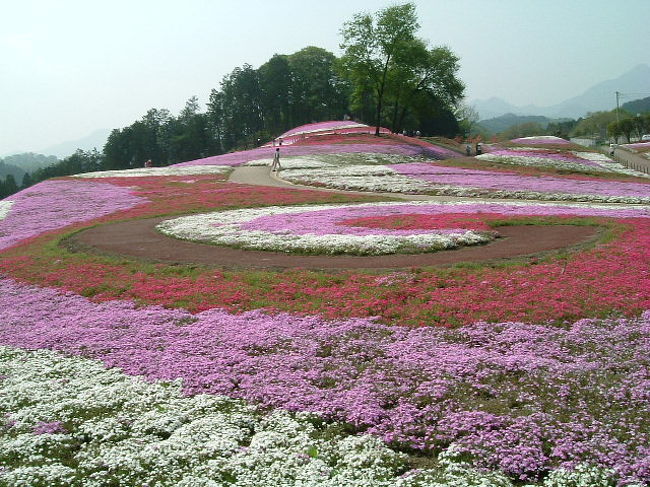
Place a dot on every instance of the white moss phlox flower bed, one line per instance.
(68, 421)
(321, 229)
(5, 206)
(157, 171)
(339, 161)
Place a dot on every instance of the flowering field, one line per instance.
(541, 140)
(572, 161)
(532, 371)
(431, 178)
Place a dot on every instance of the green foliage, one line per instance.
(637, 106)
(396, 79)
(595, 124)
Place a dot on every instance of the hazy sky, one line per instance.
(70, 67)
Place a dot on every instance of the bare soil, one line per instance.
(139, 239)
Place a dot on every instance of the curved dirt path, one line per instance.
(140, 240)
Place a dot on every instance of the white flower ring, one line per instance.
(331, 229)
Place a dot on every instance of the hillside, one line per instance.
(637, 106)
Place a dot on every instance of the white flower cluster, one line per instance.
(226, 228)
(293, 162)
(157, 171)
(5, 206)
(339, 160)
(112, 429)
(376, 178)
(609, 164)
(516, 160)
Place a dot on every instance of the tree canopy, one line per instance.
(388, 66)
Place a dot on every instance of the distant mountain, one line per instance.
(637, 106)
(97, 139)
(504, 122)
(599, 97)
(29, 162)
(15, 171)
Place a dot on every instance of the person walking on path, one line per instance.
(275, 165)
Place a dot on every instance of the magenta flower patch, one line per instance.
(54, 204)
(516, 397)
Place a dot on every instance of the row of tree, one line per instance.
(629, 127)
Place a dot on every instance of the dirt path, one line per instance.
(140, 240)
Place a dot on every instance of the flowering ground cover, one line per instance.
(68, 421)
(467, 182)
(424, 178)
(318, 229)
(336, 144)
(573, 161)
(316, 130)
(612, 277)
(342, 161)
(156, 171)
(328, 230)
(546, 383)
(54, 204)
(430, 389)
(5, 205)
(541, 140)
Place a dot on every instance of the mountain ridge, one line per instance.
(600, 96)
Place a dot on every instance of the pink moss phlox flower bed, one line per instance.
(510, 181)
(638, 146)
(541, 140)
(55, 204)
(336, 220)
(326, 128)
(329, 126)
(517, 397)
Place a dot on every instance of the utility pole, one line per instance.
(618, 94)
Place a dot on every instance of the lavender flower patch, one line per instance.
(471, 182)
(576, 161)
(519, 398)
(55, 204)
(68, 421)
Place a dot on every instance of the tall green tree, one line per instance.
(372, 46)
(276, 79)
(317, 91)
(395, 72)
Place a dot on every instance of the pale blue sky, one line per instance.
(70, 67)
